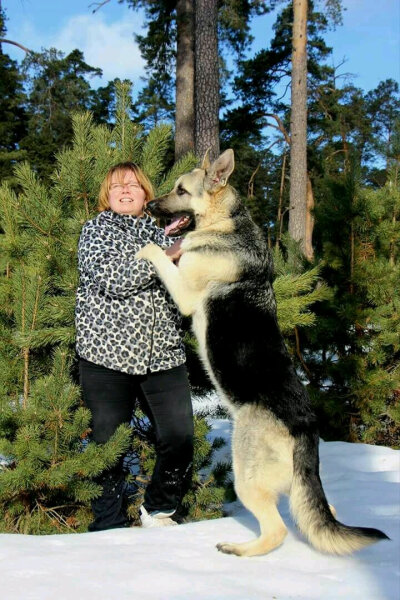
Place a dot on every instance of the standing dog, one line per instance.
(224, 281)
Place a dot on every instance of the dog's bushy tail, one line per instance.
(311, 510)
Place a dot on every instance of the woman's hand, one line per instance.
(174, 252)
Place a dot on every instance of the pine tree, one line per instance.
(57, 85)
(47, 465)
(12, 113)
(248, 127)
(376, 386)
(353, 354)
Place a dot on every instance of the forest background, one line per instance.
(338, 297)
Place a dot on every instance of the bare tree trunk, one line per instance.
(392, 251)
(298, 126)
(279, 218)
(392, 246)
(25, 354)
(25, 351)
(184, 116)
(346, 160)
(308, 247)
(4, 41)
(206, 78)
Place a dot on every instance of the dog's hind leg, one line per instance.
(273, 529)
(262, 468)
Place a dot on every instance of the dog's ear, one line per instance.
(218, 173)
(206, 160)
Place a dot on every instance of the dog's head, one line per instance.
(197, 196)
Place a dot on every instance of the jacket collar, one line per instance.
(127, 221)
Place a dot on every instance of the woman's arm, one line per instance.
(113, 269)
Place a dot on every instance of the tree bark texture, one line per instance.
(308, 247)
(184, 115)
(298, 126)
(206, 78)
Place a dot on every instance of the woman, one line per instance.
(130, 347)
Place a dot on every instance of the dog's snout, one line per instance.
(151, 206)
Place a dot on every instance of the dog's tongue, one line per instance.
(174, 225)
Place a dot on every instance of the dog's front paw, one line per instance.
(149, 252)
(227, 548)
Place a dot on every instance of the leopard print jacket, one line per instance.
(125, 318)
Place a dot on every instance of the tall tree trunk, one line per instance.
(346, 153)
(184, 116)
(279, 218)
(206, 78)
(308, 247)
(298, 126)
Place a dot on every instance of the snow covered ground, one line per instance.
(181, 563)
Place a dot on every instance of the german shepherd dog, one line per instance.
(224, 281)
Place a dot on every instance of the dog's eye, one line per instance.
(181, 191)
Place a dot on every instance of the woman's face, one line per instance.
(126, 196)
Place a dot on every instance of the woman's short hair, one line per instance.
(120, 169)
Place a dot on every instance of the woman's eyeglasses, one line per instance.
(131, 186)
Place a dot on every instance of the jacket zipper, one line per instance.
(152, 329)
(152, 302)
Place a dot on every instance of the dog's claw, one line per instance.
(228, 548)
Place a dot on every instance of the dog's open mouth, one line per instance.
(178, 225)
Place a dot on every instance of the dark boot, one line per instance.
(109, 508)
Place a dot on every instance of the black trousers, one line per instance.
(165, 399)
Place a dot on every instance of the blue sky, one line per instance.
(369, 39)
